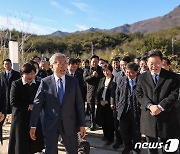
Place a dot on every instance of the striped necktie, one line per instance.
(131, 85)
(155, 79)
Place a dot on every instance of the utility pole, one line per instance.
(92, 48)
(172, 41)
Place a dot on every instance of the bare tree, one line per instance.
(23, 25)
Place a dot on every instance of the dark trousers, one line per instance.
(70, 143)
(155, 151)
(108, 123)
(116, 128)
(87, 109)
(130, 132)
(92, 114)
(1, 125)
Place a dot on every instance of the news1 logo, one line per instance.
(171, 145)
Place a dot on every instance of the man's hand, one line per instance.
(32, 133)
(1, 117)
(103, 102)
(30, 107)
(95, 74)
(82, 132)
(155, 110)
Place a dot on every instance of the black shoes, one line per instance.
(108, 142)
(116, 145)
(92, 128)
(126, 151)
(103, 138)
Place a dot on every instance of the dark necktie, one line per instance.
(155, 79)
(60, 90)
(131, 85)
(7, 76)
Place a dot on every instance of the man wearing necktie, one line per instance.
(60, 90)
(128, 109)
(6, 79)
(60, 97)
(157, 92)
(72, 71)
(155, 78)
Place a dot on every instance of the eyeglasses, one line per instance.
(154, 64)
(60, 63)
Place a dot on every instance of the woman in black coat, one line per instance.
(21, 98)
(105, 117)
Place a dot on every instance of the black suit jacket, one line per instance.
(21, 96)
(79, 76)
(101, 110)
(5, 86)
(101, 89)
(92, 82)
(165, 94)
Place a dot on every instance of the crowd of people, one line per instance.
(127, 98)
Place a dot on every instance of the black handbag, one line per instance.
(84, 147)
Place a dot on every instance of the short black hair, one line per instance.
(86, 61)
(143, 58)
(132, 66)
(106, 61)
(101, 59)
(115, 59)
(27, 68)
(35, 56)
(72, 61)
(139, 58)
(155, 53)
(167, 60)
(78, 60)
(95, 56)
(7, 60)
(109, 67)
(33, 63)
(126, 59)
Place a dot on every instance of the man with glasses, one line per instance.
(157, 91)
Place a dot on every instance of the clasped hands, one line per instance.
(154, 110)
(95, 74)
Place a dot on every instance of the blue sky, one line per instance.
(47, 16)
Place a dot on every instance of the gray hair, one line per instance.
(57, 55)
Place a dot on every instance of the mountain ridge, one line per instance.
(155, 24)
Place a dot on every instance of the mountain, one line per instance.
(58, 33)
(169, 20)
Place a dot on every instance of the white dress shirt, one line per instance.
(24, 82)
(63, 81)
(105, 88)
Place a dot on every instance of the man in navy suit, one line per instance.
(60, 97)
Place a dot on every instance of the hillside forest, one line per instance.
(106, 45)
